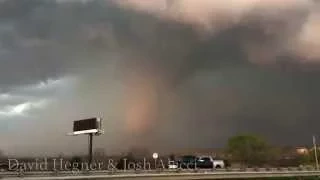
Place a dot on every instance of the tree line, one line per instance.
(254, 150)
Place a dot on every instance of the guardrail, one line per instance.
(164, 173)
(178, 176)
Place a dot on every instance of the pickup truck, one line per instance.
(202, 162)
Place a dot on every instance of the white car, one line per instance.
(173, 166)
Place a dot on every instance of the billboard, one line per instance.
(87, 126)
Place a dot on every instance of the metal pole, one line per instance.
(90, 148)
(315, 152)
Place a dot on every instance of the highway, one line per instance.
(163, 175)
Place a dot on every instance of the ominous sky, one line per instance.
(163, 74)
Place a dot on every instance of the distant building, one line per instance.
(302, 150)
(291, 152)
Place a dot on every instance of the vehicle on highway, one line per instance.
(173, 166)
(207, 162)
(172, 163)
(202, 162)
(187, 162)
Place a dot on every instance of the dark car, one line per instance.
(205, 163)
(187, 162)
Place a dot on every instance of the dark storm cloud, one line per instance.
(155, 78)
(47, 37)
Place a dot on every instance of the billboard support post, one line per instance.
(91, 127)
(90, 148)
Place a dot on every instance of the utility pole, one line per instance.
(315, 152)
